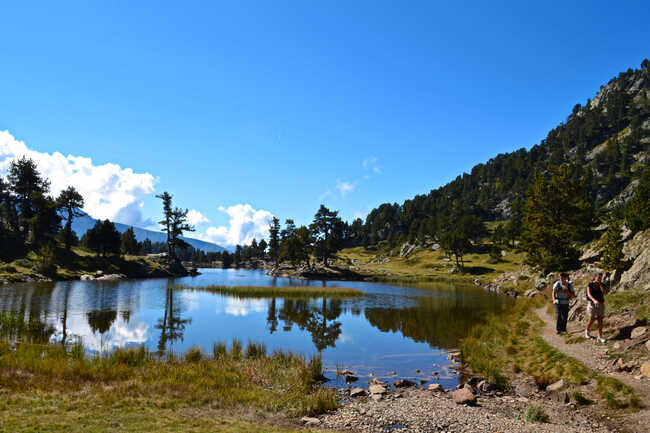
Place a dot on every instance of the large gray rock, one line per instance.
(436, 387)
(310, 421)
(377, 389)
(358, 392)
(556, 386)
(540, 283)
(638, 331)
(463, 396)
(638, 276)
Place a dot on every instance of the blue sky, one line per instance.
(276, 105)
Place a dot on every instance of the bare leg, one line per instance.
(600, 327)
(589, 323)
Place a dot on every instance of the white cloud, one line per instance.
(242, 307)
(245, 224)
(109, 190)
(196, 218)
(371, 164)
(345, 187)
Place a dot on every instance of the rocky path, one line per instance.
(420, 410)
(595, 356)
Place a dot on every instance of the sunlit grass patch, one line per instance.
(285, 292)
(617, 394)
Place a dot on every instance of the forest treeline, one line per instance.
(31, 219)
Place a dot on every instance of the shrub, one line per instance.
(194, 354)
(536, 414)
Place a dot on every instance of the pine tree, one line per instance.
(556, 215)
(71, 202)
(613, 257)
(166, 222)
(327, 231)
(274, 240)
(129, 243)
(637, 210)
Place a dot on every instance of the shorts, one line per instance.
(596, 312)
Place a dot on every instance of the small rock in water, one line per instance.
(403, 383)
(436, 387)
(417, 371)
(358, 392)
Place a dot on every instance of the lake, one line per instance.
(392, 331)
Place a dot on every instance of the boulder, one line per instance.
(647, 344)
(645, 369)
(530, 293)
(358, 392)
(638, 331)
(436, 387)
(463, 396)
(376, 397)
(638, 276)
(86, 277)
(556, 386)
(540, 283)
(485, 386)
(307, 420)
(623, 366)
(377, 389)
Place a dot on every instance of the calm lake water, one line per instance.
(391, 332)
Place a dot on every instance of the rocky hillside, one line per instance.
(606, 139)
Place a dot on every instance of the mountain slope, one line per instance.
(607, 141)
(83, 224)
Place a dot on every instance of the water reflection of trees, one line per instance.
(439, 321)
(172, 326)
(318, 317)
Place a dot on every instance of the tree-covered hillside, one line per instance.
(605, 142)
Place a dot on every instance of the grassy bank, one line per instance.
(425, 264)
(284, 292)
(47, 387)
(76, 263)
(510, 344)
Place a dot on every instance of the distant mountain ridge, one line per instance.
(82, 224)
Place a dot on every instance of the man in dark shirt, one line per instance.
(596, 291)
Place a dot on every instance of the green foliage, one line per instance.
(128, 242)
(580, 399)
(103, 238)
(71, 202)
(637, 210)
(47, 262)
(327, 231)
(556, 215)
(536, 414)
(274, 240)
(616, 393)
(613, 257)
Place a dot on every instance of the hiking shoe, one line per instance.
(601, 340)
(588, 336)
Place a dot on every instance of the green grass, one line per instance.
(509, 344)
(284, 292)
(78, 262)
(426, 265)
(536, 414)
(636, 301)
(616, 393)
(580, 399)
(49, 387)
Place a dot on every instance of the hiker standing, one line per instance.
(562, 292)
(596, 291)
